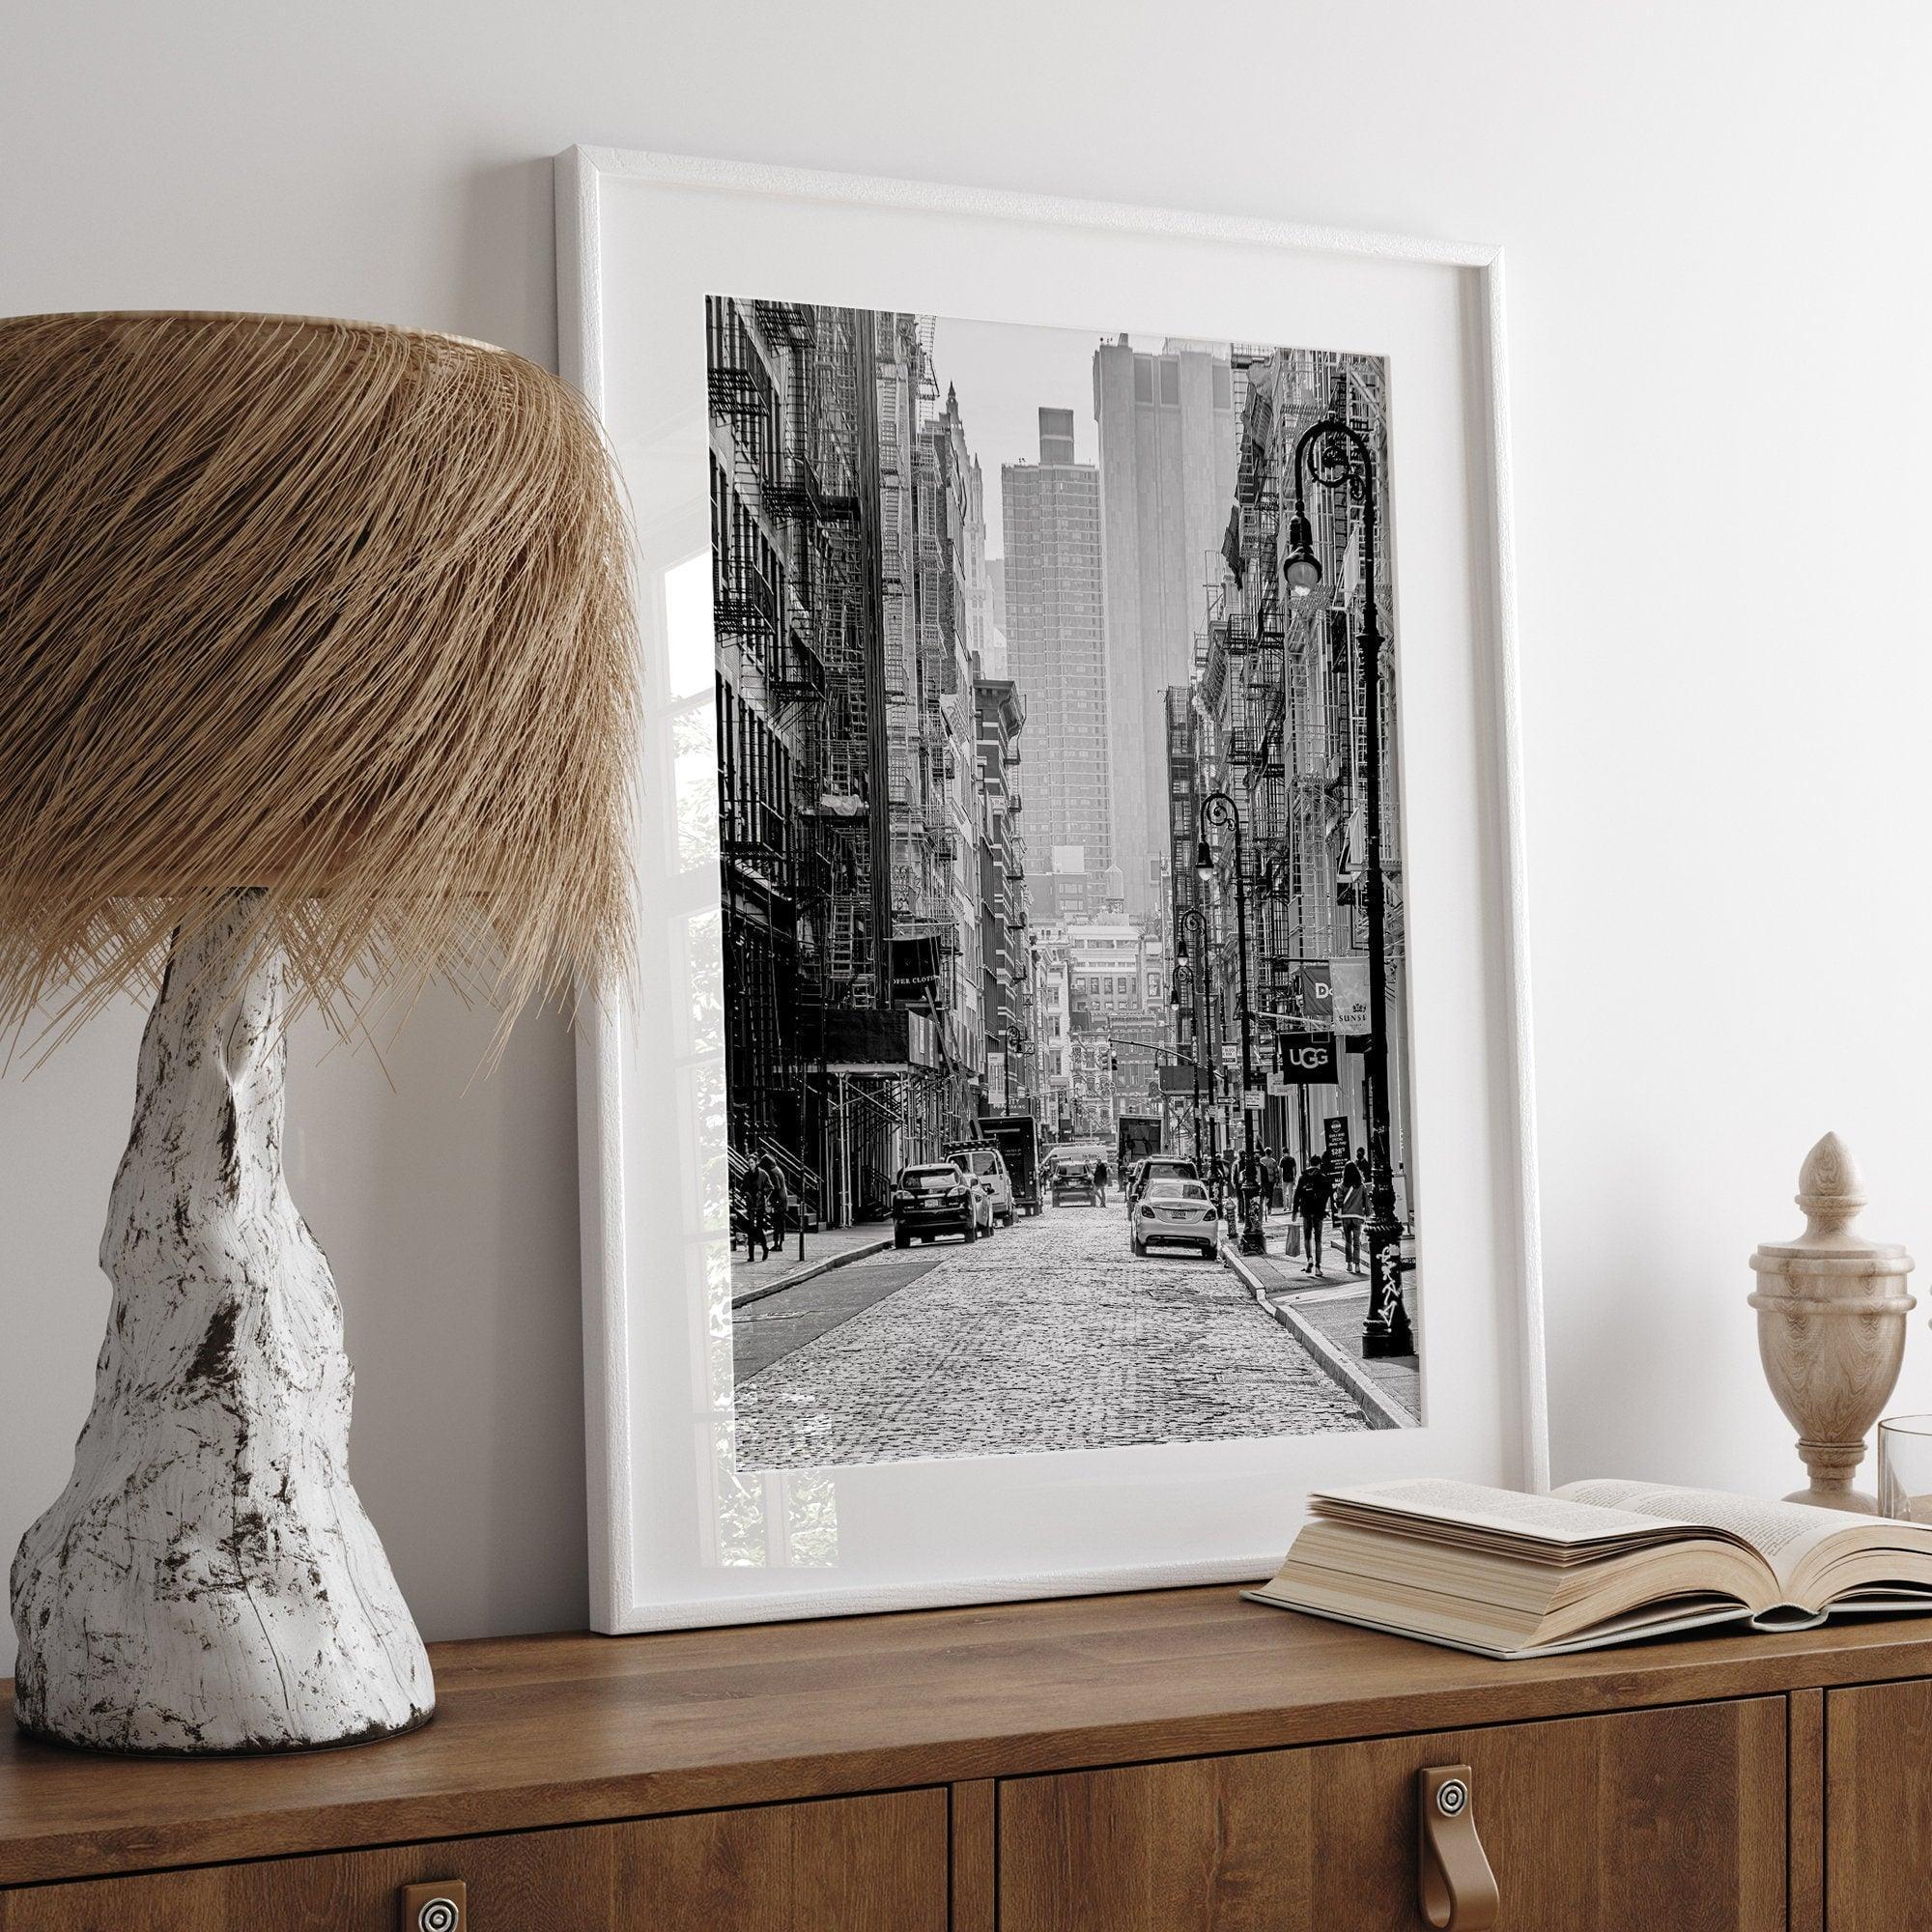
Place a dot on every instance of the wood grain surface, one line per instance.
(1878, 1808)
(572, 1731)
(1805, 1786)
(849, 1864)
(1657, 1819)
(975, 1857)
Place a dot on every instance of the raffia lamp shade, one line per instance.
(318, 680)
(334, 611)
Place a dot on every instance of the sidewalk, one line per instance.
(1325, 1313)
(826, 1248)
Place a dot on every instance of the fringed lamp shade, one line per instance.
(334, 610)
(317, 676)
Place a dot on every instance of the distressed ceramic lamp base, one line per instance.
(208, 1581)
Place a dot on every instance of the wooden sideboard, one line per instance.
(1168, 1762)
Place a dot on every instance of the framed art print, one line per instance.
(1075, 1098)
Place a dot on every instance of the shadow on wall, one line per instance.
(503, 287)
(448, 1206)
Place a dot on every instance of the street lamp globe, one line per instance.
(1203, 860)
(1173, 993)
(1180, 950)
(1301, 566)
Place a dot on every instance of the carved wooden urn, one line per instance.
(1831, 1326)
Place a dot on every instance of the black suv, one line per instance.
(1073, 1180)
(934, 1198)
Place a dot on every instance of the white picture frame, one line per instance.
(677, 1538)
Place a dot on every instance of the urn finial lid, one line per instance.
(1831, 1192)
(1831, 1189)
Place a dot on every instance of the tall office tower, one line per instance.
(1169, 445)
(1055, 643)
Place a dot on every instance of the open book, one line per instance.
(1590, 1564)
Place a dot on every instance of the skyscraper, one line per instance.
(1051, 514)
(1169, 443)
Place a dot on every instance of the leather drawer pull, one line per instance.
(1454, 1884)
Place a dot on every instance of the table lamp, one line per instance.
(318, 683)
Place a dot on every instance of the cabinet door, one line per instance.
(1878, 1808)
(1670, 1821)
(848, 1865)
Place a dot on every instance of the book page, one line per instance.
(1783, 1533)
(1558, 1519)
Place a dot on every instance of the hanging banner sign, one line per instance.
(1307, 1060)
(1348, 982)
(1335, 1144)
(1316, 991)
(1335, 994)
(915, 964)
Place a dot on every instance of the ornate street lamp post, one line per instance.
(1173, 1003)
(1191, 919)
(1335, 456)
(810, 1117)
(1218, 808)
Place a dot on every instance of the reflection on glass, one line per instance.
(1905, 1468)
(770, 1521)
(704, 991)
(689, 649)
(812, 1519)
(760, 1522)
(738, 1507)
(693, 762)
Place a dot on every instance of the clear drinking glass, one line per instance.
(1905, 1468)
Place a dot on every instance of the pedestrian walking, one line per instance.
(1351, 1210)
(1284, 1194)
(757, 1205)
(1310, 1207)
(1100, 1180)
(1270, 1176)
(777, 1197)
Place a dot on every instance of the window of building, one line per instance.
(1170, 381)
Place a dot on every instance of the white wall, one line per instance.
(1718, 286)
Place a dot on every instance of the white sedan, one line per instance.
(1180, 1213)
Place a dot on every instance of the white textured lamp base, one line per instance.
(207, 1581)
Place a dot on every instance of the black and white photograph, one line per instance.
(1062, 878)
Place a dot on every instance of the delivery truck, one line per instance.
(1018, 1143)
(1139, 1137)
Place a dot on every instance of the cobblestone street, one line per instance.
(1051, 1335)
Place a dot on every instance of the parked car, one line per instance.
(1073, 1180)
(935, 1198)
(989, 1165)
(1157, 1167)
(1178, 1214)
(984, 1214)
